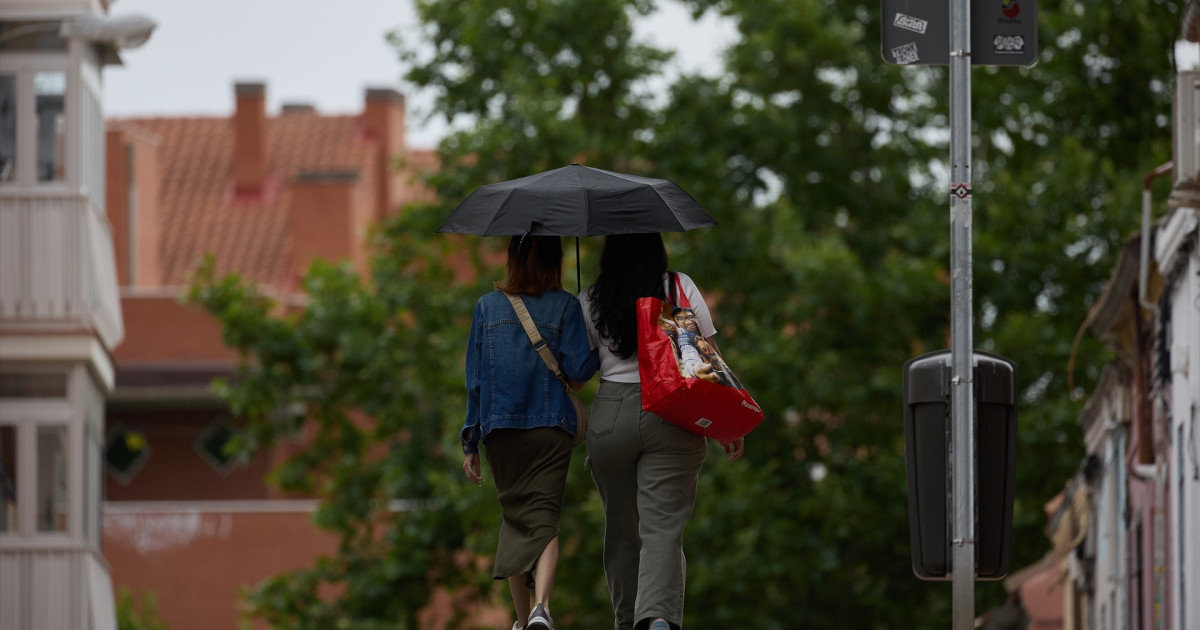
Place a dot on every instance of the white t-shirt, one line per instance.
(614, 368)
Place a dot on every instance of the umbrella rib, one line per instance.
(668, 205)
(653, 185)
(587, 203)
(507, 196)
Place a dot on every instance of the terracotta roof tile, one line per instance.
(198, 211)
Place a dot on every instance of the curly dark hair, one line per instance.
(631, 266)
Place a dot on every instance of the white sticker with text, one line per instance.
(910, 23)
(906, 53)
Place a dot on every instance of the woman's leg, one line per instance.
(543, 575)
(666, 483)
(613, 449)
(529, 468)
(520, 597)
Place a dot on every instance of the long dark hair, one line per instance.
(631, 266)
(534, 265)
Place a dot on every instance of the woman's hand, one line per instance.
(471, 468)
(735, 448)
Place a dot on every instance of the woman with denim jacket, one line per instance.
(518, 410)
(644, 467)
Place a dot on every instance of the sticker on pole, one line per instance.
(910, 23)
(906, 54)
(1003, 32)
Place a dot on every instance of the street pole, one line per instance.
(962, 420)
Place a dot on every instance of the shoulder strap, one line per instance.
(677, 289)
(539, 344)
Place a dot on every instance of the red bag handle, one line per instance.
(683, 301)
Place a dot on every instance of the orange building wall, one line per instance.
(160, 329)
(131, 203)
(196, 562)
(383, 120)
(116, 199)
(322, 221)
(214, 533)
(175, 470)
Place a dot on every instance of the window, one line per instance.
(33, 385)
(126, 452)
(1139, 584)
(52, 479)
(8, 127)
(8, 478)
(211, 445)
(93, 474)
(33, 121)
(32, 36)
(50, 90)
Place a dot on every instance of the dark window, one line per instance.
(8, 127)
(1138, 582)
(213, 443)
(50, 90)
(48, 385)
(8, 478)
(52, 478)
(125, 453)
(39, 36)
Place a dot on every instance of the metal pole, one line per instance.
(962, 420)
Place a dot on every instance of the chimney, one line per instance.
(327, 218)
(132, 177)
(250, 137)
(290, 109)
(383, 120)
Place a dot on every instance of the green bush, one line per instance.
(138, 611)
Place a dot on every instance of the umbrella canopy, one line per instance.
(577, 200)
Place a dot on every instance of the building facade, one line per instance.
(1127, 527)
(60, 313)
(262, 193)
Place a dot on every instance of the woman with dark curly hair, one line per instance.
(644, 467)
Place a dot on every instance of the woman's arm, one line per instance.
(578, 360)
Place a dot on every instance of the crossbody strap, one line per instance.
(675, 291)
(535, 337)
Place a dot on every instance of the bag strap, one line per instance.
(678, 297)
(539, 344)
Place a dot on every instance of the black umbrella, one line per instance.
(577, 201)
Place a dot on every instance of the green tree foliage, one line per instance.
(368, 372)
(138, 612)
(827, 171)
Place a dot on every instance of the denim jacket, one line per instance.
(508, 384)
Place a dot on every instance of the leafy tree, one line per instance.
(368, 373)
(826, 169)
(858, 235)
(138, 611)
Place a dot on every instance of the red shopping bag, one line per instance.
(684, 380)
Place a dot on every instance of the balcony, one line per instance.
(57, 270)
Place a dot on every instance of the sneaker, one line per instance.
(517, 626)
(660, 624)
(539, 619)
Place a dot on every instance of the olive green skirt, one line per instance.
(529, 467)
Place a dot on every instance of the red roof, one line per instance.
(198, 210)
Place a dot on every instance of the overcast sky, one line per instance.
(311, 51)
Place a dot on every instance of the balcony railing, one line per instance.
(57, 270)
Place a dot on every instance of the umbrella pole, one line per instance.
(578, 282)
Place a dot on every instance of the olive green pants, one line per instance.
(645, 470)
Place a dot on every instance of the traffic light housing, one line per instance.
(927, 440)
